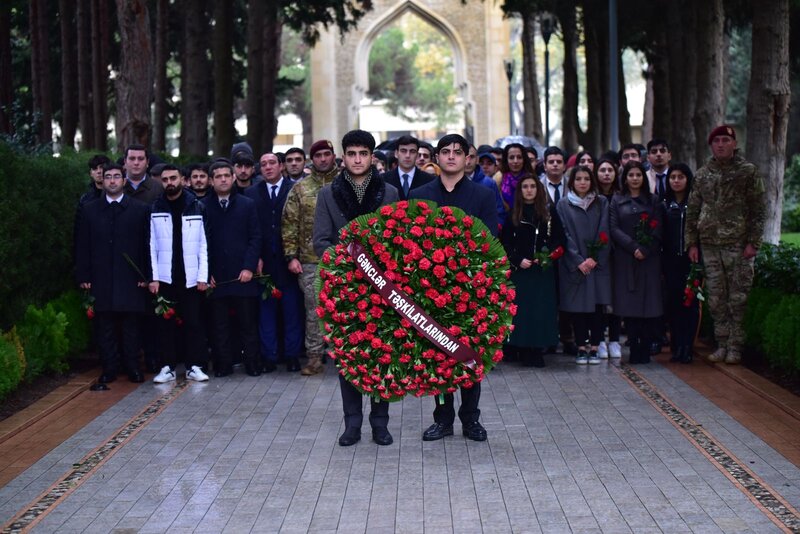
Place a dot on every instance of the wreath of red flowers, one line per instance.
(449, 266)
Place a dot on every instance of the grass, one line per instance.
(793, 238)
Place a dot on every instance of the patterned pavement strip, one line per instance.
(762, 495)
(82, 470)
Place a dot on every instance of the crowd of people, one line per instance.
(595, 244)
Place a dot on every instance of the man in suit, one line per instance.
(407, 176)
(659, 156)
(357, 190)
(453, 188)
(270, 197)
(234, 244)
(109, 228)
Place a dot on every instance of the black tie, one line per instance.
(406, 185)
(272, 193)
(557, 194)
(660, 183)
(224, 203)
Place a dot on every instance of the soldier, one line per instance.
(297, 231)
(725, 217)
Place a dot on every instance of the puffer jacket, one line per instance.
(194, 240)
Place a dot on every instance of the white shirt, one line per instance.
(113, 200)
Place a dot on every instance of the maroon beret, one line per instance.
(322, 144)
(721, 130)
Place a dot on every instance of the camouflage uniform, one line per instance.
(297, 231)
(726, 211)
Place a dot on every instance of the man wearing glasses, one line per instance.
(659, 156)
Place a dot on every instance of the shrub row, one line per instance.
(772, 322)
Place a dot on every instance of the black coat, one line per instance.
(521, 241)
(106, 232)
(420, 178)
(475, 199)
(234, 244)
(270, 214)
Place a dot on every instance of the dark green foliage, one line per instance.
(306, 17)
(44, 338)
(12, 363)
(778, 267)
(38, 195)
(782, 333)
(759, 303)
(79, 328)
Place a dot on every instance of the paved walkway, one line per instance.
(591, 449)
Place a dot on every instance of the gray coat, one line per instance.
(579, 293)
(337, 205)
(637, 284)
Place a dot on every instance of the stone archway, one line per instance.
(479, 37)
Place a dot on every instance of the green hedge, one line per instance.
(38, 196)
(772, 322)
(43, 332)
(12, 362)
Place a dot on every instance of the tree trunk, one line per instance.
(255, 73)
(84, 38)
(69, 74)
(194, 81)
(710, 67)
(569, 110)
(40, 69)
(530, 85)
(6, 89)
(224, 131)
(135, 79)
(100, 45)
(768, 105)
(160, 86)
(272, 65)
(625, 135)
(660, 71)
(682, 67)
(595, 24)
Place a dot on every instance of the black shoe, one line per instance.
(292, 365)
(380, 436)
(677, 354)
(437, 431)
(686, 355)
(107, 378)
(537, 359)
(252, 370)
(551, 350)
(136, 377)
(222, 372)
(152, 368)
(351, 436)
(474, 431)
(571, 349)
(269, 367)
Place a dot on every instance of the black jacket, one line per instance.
(234, 243)
(476, 200)
(270, 216)
(521, 241)
(106, 232)
(420, 178)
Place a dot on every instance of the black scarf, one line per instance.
(346, 198)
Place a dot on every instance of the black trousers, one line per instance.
(245, 316)
(614, 324)
(186, 341)
(111, 357)
(353, 411)
(468, 412)
(588, 327)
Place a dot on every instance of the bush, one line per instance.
(782, 334)
(44, 338)
(38, 196)
(12, 362)
(778, 267)
(790, 221)
(79, 328)
(759, 304)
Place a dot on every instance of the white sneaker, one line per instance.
(602, 350)
(165, 375)
(196, 374)
(614, 350)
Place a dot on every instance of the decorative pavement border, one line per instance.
(769, 501)
(81, 471)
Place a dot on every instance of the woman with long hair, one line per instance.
(531, 234)
(586, 159)
(682, 311)
(607, 185)
(636, 229)
(514, 166)
(584, 280)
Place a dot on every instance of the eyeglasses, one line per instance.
(661, 150)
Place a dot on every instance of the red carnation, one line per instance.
(90, 312)
(557, 253)
(425, 264)
(603, 238)
(386, 210)
(438, 256)
(653, 223)
(644, 216)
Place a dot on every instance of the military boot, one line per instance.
(314, 365)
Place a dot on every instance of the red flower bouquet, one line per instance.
(694, 286)
(415, 300)
(596, 246)
(88, 304)
(644, 230)
(545, 258)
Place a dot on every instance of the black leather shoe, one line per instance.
(225, 371)
(136, 377)
(474, 431)
(437, 431)
(686, 355)
(381, 436)
(351, 436)
(252, 371)
(269, 367)
(537, 359)
(293, 365)
(106, 378)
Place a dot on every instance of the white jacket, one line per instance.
(195, 248)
